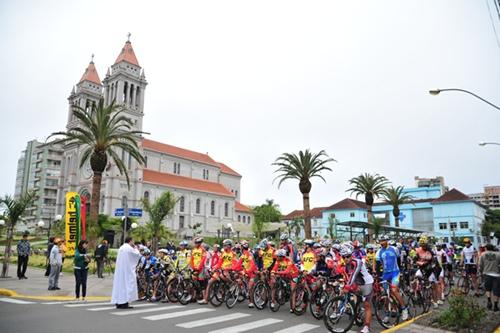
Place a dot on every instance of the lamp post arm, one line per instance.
(471, 93)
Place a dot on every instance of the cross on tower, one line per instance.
(128, 37)
(92, 58)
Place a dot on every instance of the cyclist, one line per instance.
(285, 268)
(226, 264)
(287, 245)
(215, 257)
(442, 260)
(247, 266)
(359, 279)
(183, 256)
(358, 251)
(267, 254)
(370, 256)
(428, 268)
(164, 263)
(150, 269)
(387, 256)
(309, 257)
(198, 258)
(469, 259)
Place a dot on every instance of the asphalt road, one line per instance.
(54, 317)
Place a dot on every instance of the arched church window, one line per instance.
(181, 204)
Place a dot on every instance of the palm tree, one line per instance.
(303, 167)
(102, 131)
(14, 209)
(371, 186)
(332, 227)
(296, 225)
(395, 196)
(158, 211)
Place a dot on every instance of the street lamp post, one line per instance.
(482, 143)
(435, 92)
(57, 218)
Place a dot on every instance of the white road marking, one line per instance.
(213, 320)
(104, 308)
(177, 314)
(15, 301)
(86, 304)
(298, 328)
(132, 312)
(247, 326)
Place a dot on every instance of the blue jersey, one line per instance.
(389, 258)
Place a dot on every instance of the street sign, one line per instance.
(119, 212)
(137, 212)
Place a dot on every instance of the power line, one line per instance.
(493, 22)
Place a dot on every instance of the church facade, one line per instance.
(208, 191)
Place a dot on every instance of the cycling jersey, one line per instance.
(286, 267)
(441, 257)
(268, 257)
(357, 272)
(308, 261)
(358, 254)
(424, 257)
(198, 257)
(389, 258)
(370, 259)
(247, 263)
(469, 255)
(150, 265)
(183, 259)
(227, 260)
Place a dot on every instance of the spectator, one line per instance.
(101, 253)
(55, 261)
(50, 244)
(62, 248)
(489, 267)
(81, 263)
(23, 254)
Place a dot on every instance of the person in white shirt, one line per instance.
(55, 261)
(125, 278)
(470, 259)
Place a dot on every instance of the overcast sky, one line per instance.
(246, 81)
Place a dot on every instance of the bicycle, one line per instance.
(385, 304)
(261, 291)
(343, 311)
(328, 287)
(280, 292)
(300, 294)
(465, 285)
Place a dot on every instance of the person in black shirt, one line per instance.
(49, 248)
(101, 252)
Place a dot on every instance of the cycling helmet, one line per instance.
(244, 244)
(227, 242)
(309, 242)
(326, 243)
(147, 251)
(198, 240)
(356, 243)
(466, 240)
(422, 240)
(345, 251)
(264, 242)
(284, 236)
(316, 245)
(281, 253)
(171, 252)
(392, 242)
(370, 247)
(336, 247)
(206, 246)
(183, 243)
(164, 251)
(384, 238)
(216, 247)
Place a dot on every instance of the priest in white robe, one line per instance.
(125, 278)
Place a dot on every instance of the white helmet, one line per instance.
(164, 251)
(281, 253)
(345, 251)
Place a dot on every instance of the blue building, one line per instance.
(446, 215)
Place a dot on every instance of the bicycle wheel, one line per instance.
(185, 292)
(260, 295)
(411, 305)
(319, 299)
(300, 295)
(232, 294)
(275, 291)
(426, 298)
(216, 294)
(387, 311)
(243, 291)
(172, 290)
(463, 285)
(447, 285)
(339, 314)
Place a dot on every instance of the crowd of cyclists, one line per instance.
(343, 283)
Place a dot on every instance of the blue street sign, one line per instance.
(119, 212)
(137, 212)
(402, 216)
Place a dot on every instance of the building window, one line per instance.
(145, 161)
(181, 204)
(212, 207)
(248, 219)
(352, 214)
(332, 215)
(236, 193)
(239, 218)
(443, 226)
(205, 174)
(445, 239)
(226, 209)
(244, 219)
(181, 222)
(198, 206)
(464, 225)
(453, 226)
(146, 196)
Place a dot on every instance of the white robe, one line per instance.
(125, 279)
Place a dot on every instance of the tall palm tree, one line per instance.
(371, 187)
(14, 210)
(395, 196)
(158, 211)
(303, 167)
(102, 131)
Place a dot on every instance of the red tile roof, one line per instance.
(225, 169)
(239, 207)
(179, 152)
(167, 179)
(298, 214)
(453, 195)
(127, 54)
(348, 204)
(91, 74)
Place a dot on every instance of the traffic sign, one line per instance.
(119, 212)
(137, 212)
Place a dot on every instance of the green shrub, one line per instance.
(464, 312)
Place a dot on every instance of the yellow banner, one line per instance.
(71, 223)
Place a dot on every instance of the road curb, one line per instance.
(406, 323)
(12, 293)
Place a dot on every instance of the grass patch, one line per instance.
(464, 312)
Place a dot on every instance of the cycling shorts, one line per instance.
(471, 269)
(367, 292)
(392, 278)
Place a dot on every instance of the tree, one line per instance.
(371, 187)
(102, 132)
(267, 212)
(303, 167)
(14, 209)
(296, 225)
(378, 222)
(158, 211)
(395, 196)
(491, 224)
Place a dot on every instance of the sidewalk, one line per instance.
(415, 328)
(37, 284)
